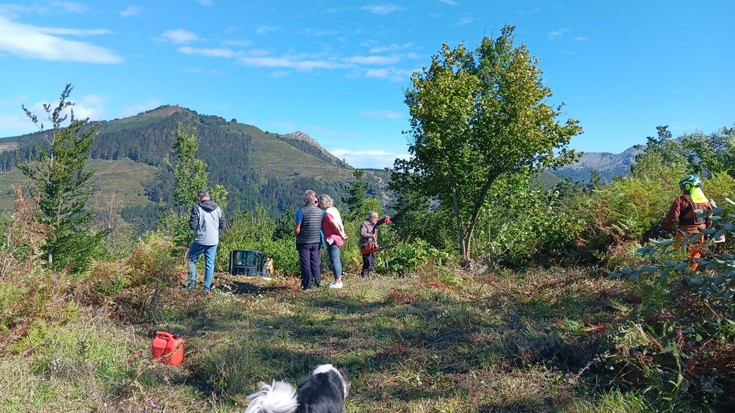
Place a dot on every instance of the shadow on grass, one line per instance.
(428, 346)
(243, 287)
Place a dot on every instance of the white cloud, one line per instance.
(379, 73)
(371, 60)
(33, 42)
(90, 106)
(179, 36)
(226, 53)
(237, 43)
(580, 39)
(390, 48)
(557, 34)
(13, 10)
(131, 11)
(368, 158)
(321, 33)
(266, 29)
(69, 6)
(383, 114)
(449, 2)
(383, 9)
(392, 74)
(465, 21)
(15, 123)
(73, 32)
(288, 62)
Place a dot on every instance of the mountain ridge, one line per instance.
(255, 166)
(609, 165)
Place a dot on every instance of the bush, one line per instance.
(153, 260)
(685, 332)
(404, 258)
(525, 224)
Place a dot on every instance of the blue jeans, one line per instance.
(195, 251)
(333, 251)
(309, 261)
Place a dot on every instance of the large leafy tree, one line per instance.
(475, 116)
(713, 153)
(61, 184)
(661, 153)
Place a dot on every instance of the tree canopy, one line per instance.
(475, 116)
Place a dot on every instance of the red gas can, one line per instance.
(168, 348)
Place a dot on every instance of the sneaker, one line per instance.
(336, 284)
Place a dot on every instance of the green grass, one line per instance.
(116, 183)
(414, 344)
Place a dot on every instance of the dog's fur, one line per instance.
(323, 391)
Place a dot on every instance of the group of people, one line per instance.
(318, 225)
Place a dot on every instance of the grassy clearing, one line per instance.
(498, 342)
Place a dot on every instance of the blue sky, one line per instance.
(337, 70)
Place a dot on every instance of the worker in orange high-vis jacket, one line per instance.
(692, 210)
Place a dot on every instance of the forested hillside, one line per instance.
(256, 167)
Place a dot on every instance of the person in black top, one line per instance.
(308, 240)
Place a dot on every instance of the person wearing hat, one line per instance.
(692, 211)
(206, 220)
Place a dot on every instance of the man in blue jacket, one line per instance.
(206, 220)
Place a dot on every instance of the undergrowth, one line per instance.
(435, 340)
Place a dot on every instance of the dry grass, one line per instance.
(498, 342)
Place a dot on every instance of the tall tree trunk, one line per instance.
(460, 228)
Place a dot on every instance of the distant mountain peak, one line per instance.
(607, 164)
(302, 136)
(301, 140)
(162, 111)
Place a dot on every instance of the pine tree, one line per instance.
(61, 183)
(357, 201)
(190, 177)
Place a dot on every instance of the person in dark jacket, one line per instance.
(308, 240)
(206, 220)
(692, 211)
(369, 241)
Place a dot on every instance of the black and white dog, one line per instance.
(323, 391)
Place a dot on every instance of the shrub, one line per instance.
(404, 258)
(525, 224)
(685, 330)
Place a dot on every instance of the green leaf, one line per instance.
(681, 266)
(693, 281)
(719, 233)
(650, 268)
